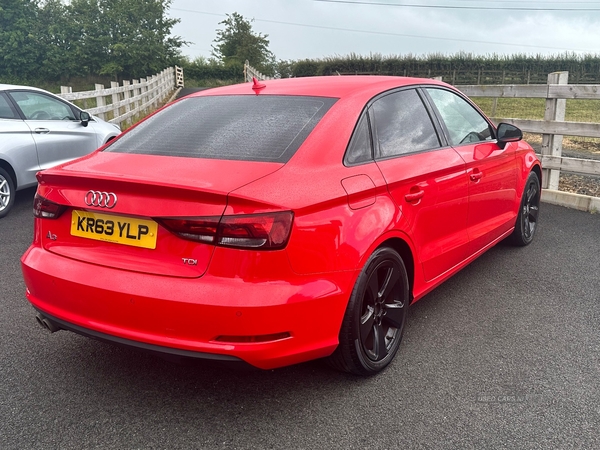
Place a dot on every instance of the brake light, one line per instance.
(256, 231)
(45, 209)
(200, 230)
(270, 231)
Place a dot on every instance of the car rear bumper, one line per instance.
(185, 317)
(58, 324)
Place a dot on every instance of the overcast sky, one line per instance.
(299, 29)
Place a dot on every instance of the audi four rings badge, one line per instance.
(101, 199)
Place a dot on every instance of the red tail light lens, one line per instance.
(200, 230)
(45, 209)
(269, 231)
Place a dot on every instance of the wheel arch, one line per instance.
(8, 168)
(538, 171)
(351, 355)
(405, 252)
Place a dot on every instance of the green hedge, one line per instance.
(462, 68)
(198, 71)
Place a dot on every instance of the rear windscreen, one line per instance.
(244, 127)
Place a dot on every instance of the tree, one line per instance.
(237, 42)
(127, 38)
(58, 38)
(54, 39)
(18, 50)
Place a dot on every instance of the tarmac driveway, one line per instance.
(505, 354)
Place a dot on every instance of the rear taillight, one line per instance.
(200, 230)
(269, 231)
(45, 209)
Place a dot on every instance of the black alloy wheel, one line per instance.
(527, 220)
(375, 317)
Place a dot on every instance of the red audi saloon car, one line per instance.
(280, 221)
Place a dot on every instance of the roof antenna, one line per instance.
(256, 86)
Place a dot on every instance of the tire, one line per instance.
(7, 192)
(374, 321)
(529, 211)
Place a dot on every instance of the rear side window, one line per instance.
(6, 109)
(244, 127)
(359, 150)
(403, 125)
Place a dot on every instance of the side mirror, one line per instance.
(85, 118)
(508, 133)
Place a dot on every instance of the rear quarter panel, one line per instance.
(328, 233)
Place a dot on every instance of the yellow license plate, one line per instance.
(117, 229)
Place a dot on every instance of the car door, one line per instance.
(426, 178)
(491, 169)
(55, 126)
(17, 146)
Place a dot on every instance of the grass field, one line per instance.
(576, 111)
(534, 108)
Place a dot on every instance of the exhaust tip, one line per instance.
(39, 319)
(47, 323)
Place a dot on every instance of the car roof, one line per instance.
(9, 87)
(326, 86)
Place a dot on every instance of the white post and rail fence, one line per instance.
(552, 129)
(121, 104)
(250, 72)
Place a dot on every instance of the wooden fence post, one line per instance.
(154, 85)
(115, 99)
(495, 100)
(127, 95)
(494, 107)
(100, 100)
(161, 88)
(164, 80)
(143, 89)
(136, 94)
(552, 144)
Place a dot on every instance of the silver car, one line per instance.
(39, 130)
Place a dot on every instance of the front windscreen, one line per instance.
(244, 127)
